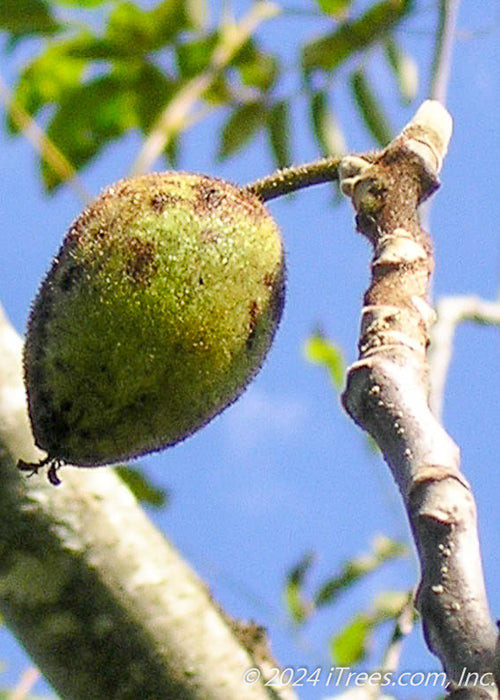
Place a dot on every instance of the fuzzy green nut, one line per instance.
(157, 311)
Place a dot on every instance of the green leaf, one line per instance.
(196, 13)
(370, 108)
(24, 17)
(173, 149)
(142, 488)
(405, 69)
(299, 572)
(257, 68)
(82, 3)
(320, 351)
(331, 50)
(326, 128)
(295, 606)
(50, 76)
(90, 47)
(389, 605)
(132, 29)
(353, 570)
(242, 124)
(132, 32)
(88, 118)
(335, 8)
(298, 608)
(152, 90)
(385, 548)
(350, 645)
(194, 56)
(278, 125)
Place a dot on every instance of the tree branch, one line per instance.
(97, 596)
(387, 391)
(450, 312)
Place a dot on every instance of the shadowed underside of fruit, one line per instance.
(158, 310)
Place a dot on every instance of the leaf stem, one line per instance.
(296, 177)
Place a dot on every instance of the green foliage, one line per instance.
(278, 125)
(49, 78)
(300, 605)
(137, 60)
(351, 645)
(383, 550)
(142, 487)
(324, 352)
(326, 127)
(335, 8)
(89, 117)
(370, 108)
(27, 17)
(243, 122)
(404, 68)
(334, 48)
(257, 68)
(102, 85)
(82, 3)
(296, 605)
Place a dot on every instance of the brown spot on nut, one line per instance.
(160, 200)
(140, 260)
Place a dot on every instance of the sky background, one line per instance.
(284, 471)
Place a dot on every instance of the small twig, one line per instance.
(402, 628)
(295, 178)
(441, 64)
(441, 68)
(450, 312)
(174, 116)
(25, 685)
(42, 144)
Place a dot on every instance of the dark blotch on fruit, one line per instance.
(253, 317)
(140, 260)
(161, 200)
(70, 277)
(208, 196)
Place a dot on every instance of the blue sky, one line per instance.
(283, 470)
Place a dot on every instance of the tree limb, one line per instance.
(97, 596)
(387, 391)
(450, 312)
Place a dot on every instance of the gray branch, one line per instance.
(451, 311)
(387, 394)
(100, 600)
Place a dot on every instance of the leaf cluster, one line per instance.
(102, 69)
(351, 644)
